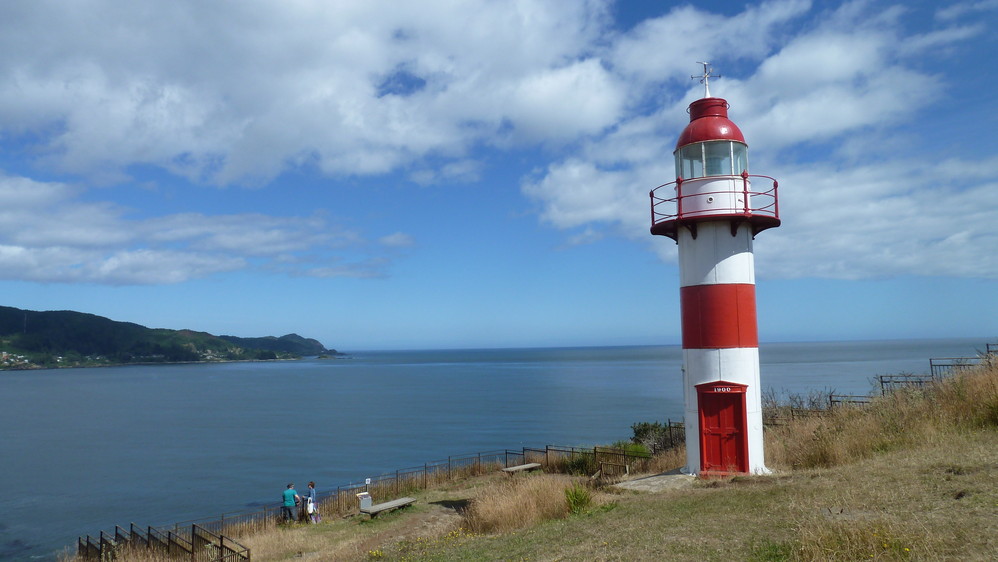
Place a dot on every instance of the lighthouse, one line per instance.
(713, 210)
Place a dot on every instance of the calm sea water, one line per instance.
(86, 449)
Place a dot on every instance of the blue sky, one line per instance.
(397, 175)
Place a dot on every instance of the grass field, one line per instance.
(912, 476)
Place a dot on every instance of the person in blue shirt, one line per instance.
(291, 498)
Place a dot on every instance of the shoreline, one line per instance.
(152, 363)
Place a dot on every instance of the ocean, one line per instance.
(87, 449)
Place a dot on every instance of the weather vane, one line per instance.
(705, 77)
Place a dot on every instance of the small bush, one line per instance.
(637, 449)
(581, 464)
(579, 498)
(656, 436)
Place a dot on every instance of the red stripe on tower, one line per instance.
(718, 316)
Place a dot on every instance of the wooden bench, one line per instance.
(377, 508)
(522, 467)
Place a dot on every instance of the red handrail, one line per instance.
(769, 209)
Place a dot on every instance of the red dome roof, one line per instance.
(709, 121)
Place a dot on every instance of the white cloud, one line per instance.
(136, 267)
(961, 9)
(397, 240)
(154, 267)
(901, 218)
(576, 193)
(37, 214)
(940, 39)
(663, 48)
(567, 102)
(49, 234)
(469, 171)
(237, 92)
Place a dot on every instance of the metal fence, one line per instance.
(890, 383)
(944, 366)
(595, 461)
(782, 415)
(407, 480)
(193, 543)
(847, 400)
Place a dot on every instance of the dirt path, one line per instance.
(440, 518)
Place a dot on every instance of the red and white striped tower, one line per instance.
(713, 214)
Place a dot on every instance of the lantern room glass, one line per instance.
(739, 156)
(717, 158)
(712, 158)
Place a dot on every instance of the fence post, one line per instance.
(425, 469)
(448, 467)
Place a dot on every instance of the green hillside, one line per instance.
(31, 339)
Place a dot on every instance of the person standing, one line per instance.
(311, 507)
(291, 498)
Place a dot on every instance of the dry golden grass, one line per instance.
(936, 500)
(519, 502)
(901, 419)
(668, 460)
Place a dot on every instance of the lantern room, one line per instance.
(712, 179)
(711, 158)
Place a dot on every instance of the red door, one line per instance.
(723, 439)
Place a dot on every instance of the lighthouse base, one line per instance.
(723, 416)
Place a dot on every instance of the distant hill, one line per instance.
(291, 343)
(30, 338)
